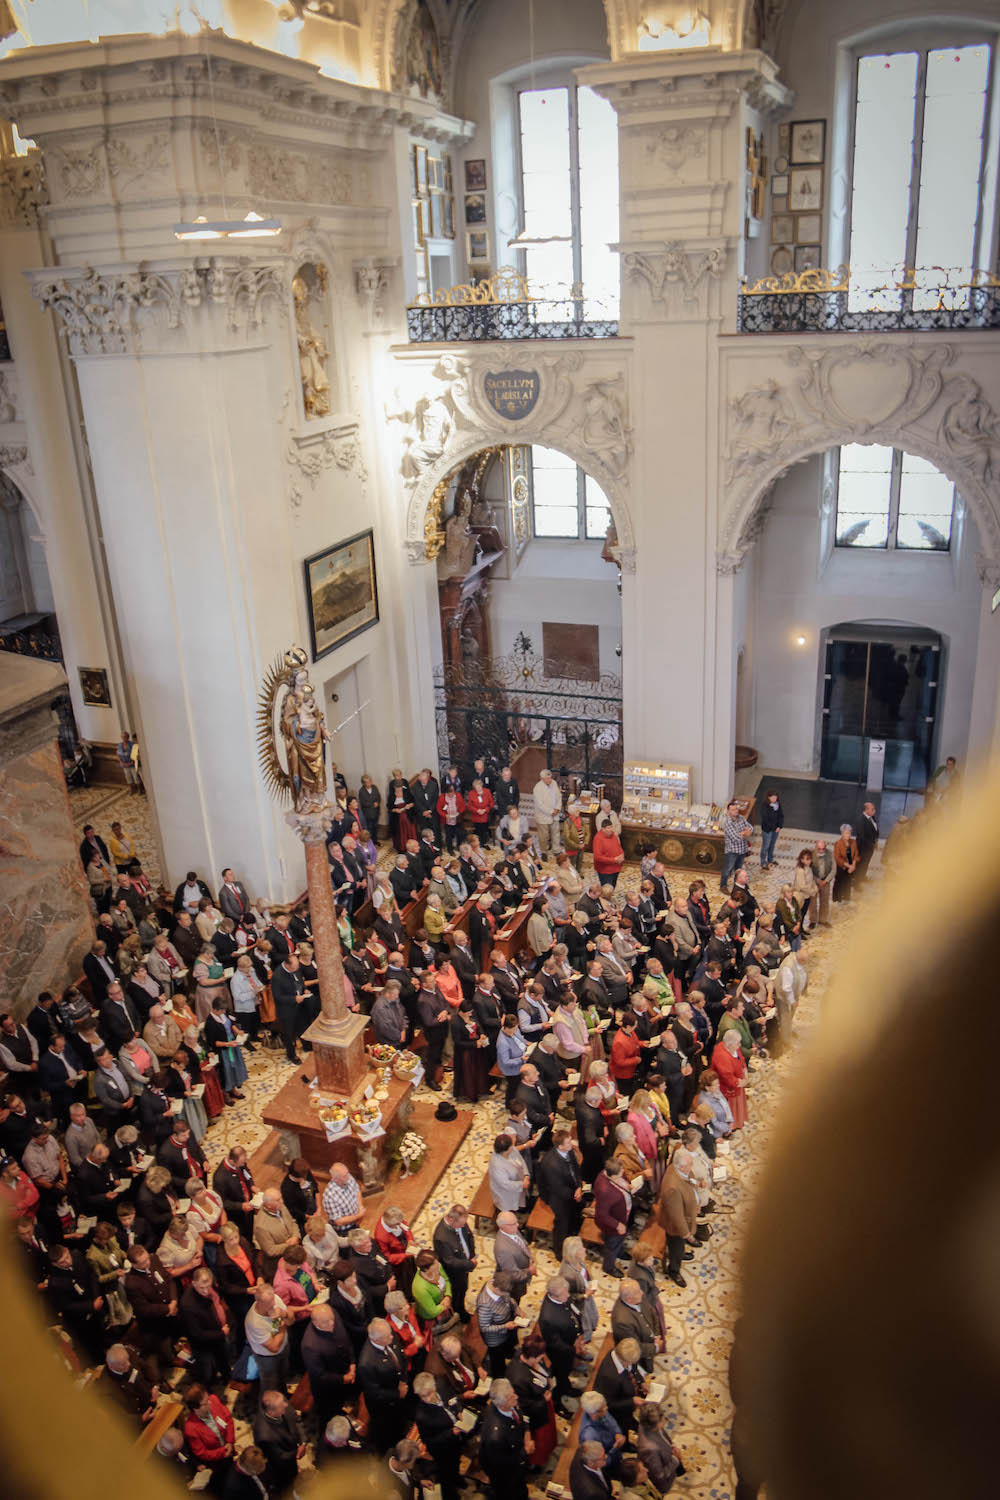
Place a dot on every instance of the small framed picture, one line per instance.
(475, 208)
(420, 168)
(435, 173)
(779, 185)
(781, 261)
(420, 225)
(784, 139)
(781, 163)
(475, 244)
(805, 189)
(475, 175)
(94, 688)
(779, 205)
(449, 185)
(808, 142)
(808, 228)
(449, 216)
(436, 207)
(782, 229)
(807, 257)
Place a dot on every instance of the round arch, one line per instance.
(747, 515)
(527, 434)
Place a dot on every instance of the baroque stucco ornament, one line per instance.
(891, 392)
(101, 312)
(676, 267)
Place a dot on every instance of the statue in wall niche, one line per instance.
(432, 423)
(313, 352)
(423, 55)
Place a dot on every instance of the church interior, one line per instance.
(499, 650)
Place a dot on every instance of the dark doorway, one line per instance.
(880, 684)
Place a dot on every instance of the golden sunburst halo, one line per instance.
(277, 778)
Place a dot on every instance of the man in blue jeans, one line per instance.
(736, 833)
(772, 819)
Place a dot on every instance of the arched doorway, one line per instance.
(530, 619)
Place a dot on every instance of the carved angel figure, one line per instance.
(604, 428)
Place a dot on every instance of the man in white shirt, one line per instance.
(266, 1326)
(790, 983)
(548, 810)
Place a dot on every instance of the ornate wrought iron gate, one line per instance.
(496, 708)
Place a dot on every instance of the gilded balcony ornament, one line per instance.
(796, 283)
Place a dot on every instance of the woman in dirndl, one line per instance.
(221, 1036)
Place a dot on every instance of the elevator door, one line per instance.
(883, 689)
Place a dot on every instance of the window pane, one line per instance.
(598, 510)
(883, 166)
(954, 109)
(926, 506)
(863, 496)
(598, 147)
(556, 520)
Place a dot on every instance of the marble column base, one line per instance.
(339, 1050)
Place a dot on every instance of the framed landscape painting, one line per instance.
(341, 592)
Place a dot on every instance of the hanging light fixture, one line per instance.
(253, 227)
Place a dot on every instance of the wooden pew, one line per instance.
(540, 1218)
(168, 1414)
(482, 1206)
(560, 1474)
(412, 914)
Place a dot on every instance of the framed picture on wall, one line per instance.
(436, 206)
(341, 592)
(805, 189)
(809, 228)
(779, 185)
(449, 217)
(784, 139)
(420, 225)
(782, 229)
(420, 168)
(475, 244)
(808, 142)
(94, 688)
(807, 257)
(475, 175)
(475, 208)
(781, 260)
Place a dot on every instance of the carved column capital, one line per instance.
(23, 190)
(112, 311)
(372, 280)
(676, 272)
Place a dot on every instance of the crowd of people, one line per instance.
(619, 1045)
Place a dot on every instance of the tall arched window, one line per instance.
(922, 180)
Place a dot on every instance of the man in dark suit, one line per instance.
(630, 1319)
(328, 1356)
(93, 843)
(433, 1014)
(506, 793)
(661, 890)
(867, 839)
(425, 795)
(96, 1185)
(401, 878)
(559, 1325)
(595, 990)
(591, 1133)
(437, 1414)
(533, 1094)
(587, 1480)
(288, 991)
(382, 1378)
(463, 963)
(99, 972)
(430, 853)
(186, 940)
(455, 1248)
(234, 1185)
(276, 1434)
(58, 1077)
(505, 981)
(281, 941)
(620, 1383)
(119, 1019)
(41, 1019)
(502, 1452)
(233, 899)
(560, 1185)
(182, 1156)
(204, 1318)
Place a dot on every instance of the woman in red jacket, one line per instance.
(450, 807)
(208, 1427)
(480, 805)
(609, 856)
(625, 1055)
(729, 1063)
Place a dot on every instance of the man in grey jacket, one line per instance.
(629, 1320)
(823, 871)
(685, 936)
(511, 1254)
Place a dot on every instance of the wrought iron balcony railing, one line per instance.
(508, 306)
(911, 301)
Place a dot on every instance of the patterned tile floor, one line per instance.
(700, 1317)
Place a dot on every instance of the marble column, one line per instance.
(45, 920)
(175, 370)
(337, 1034)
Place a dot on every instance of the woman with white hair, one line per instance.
(729, 1064)
(631, 1159)
(845, 859)
(575, 1272)
(600, 1078)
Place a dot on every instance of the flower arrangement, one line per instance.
(412, 1150)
